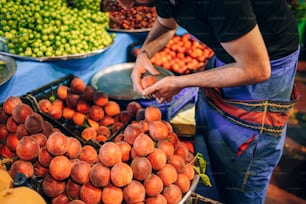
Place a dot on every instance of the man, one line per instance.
(245, 93)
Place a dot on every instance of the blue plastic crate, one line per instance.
(168, 109)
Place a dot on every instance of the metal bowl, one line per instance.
(116, 81)
(4, 51)
(192, 188)
(8, 68)
(140, 30)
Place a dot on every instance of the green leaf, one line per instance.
(86, 124)
(202, 162)
(197, 169)
(205, 179)
(201, 169)
(52, 98)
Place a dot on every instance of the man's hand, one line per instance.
(142, 65)
(163, 90)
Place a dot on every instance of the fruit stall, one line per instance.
(71, 128)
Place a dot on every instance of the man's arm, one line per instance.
(252, 65)
(161, 32)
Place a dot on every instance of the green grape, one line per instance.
(40, 28)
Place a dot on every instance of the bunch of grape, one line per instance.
(39, 28)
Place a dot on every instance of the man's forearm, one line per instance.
(157, 38)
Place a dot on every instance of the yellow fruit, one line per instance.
(22, 195)
(6, 180)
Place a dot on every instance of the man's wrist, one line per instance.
(144, 52)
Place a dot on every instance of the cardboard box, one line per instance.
(183, 122)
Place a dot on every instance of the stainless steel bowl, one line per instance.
(116, 81)
(8, 68)
(4, 51)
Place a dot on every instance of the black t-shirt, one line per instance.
(215, 21)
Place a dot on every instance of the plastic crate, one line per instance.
(168, 109)
(177, 56)
(48, 91)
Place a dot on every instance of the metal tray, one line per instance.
(8, 68)
(142, 30)
(4, 51)
(193, 186)
(116, 81)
